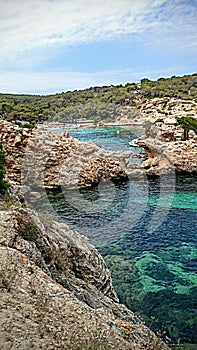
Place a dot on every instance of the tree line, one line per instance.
(97, 103)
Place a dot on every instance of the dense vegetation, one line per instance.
(3, 183)
(97, 103)
(184, 87)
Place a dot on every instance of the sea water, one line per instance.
(146, 231)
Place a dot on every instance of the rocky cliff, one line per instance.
(163, 158)
(56, 292)
(41, 158)
(167, 150)
(163, 141)
(167, 107)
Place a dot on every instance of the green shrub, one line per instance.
(3, 183)
(27, 227)
(27, 125)
(188, 123)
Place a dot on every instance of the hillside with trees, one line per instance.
(97, 103)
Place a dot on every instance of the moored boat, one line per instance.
(133, 143)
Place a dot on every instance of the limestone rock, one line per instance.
(39, 158)
(167, 107)
(164, 157)
(56, 292)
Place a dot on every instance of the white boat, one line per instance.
(133, 143)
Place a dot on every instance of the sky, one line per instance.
(51, 46)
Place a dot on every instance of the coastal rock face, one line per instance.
(56, 249)
(39, 158)
(168, 151)
(167, 107)
(56, 292)
(163, 158)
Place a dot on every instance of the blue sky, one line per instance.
(49, 46)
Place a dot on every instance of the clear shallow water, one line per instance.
(146, 230)
(109, 138)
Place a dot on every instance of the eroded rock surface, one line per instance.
(167, 107)
(56, 292)
(41, 158)
(168, 150)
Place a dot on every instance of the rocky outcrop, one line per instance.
(167, 107)
(98, 169)
(56, 292)
(168, 152)
(164, 140)
(41, 158)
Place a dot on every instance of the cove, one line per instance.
(146, 231)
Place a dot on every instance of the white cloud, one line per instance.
(176, 24)
(34, 24)
(61, 80)
(32, 31)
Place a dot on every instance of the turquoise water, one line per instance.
(146, 230)
(109, 138)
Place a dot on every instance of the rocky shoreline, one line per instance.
(168, 151)
(43, 159)
(56, 291)
(39, 157)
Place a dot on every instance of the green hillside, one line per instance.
(98, 103)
